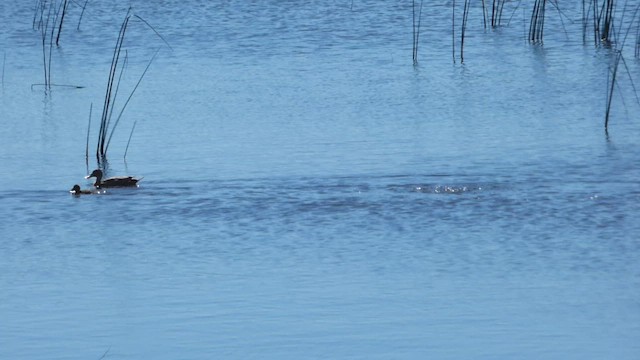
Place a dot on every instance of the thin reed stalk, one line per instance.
(105, 354)
(82, 14)
(637, 52)
(634, 18)
(453, 31)
(128, 99)
(64, 11)
(4, 61)
(585, 19)
(596, 22)
(484, 14)
(610, 88)
(43, 26)
(53, 28)
(465, 16)
(86, 150)
(129, 141)
(416, 30)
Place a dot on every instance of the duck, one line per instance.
(77, 191)
(116, 181)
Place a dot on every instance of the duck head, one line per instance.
(97, 173)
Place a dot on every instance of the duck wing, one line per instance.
(119, 181)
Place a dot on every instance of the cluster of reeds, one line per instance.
(119, 61)
(608, 36)
(496, 12)
(494, 20)
(536, 25)
(465, 17)
(609, 24)
(49, 18)
(601, 16)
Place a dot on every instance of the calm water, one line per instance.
(309, 194)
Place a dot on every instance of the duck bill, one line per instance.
(88, 176)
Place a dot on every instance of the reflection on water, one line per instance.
(308, 193)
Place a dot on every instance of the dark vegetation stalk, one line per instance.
(43, 33)
(4, 61)
(53, 28)
(554, 3)
(413, 13)
(109, 93)
(82, 14)
(105, 353)
(484, 14)
(48, 19)
(634, 18)
(129, 141)
(624, 40)
(536, 25)
(585, 20)
(119, 62)
(128, 99)
(606, 16)
(86, 151)
(465, 16)
(416, 30)
(453, 31)
(637, 52)
(64, 11)
(115, 93)
(496, 12)
(513, 13)
(608, 31)
(610, 87)
(596, 22)
(38, 13)
(169, 46)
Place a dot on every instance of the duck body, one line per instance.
(111, 182)
(77, 191)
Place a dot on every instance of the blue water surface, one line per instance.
(310, 193)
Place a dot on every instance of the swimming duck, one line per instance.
(77, 191)
(117, 181)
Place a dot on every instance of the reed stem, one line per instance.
(465, 16)
(453, 31)
(128, 99)
(4, 61)
(86, 151)
(64, 11)
(129, 141)
(416, 30)
(82, 14)
(610, 89)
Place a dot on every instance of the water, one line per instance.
(308, 193)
